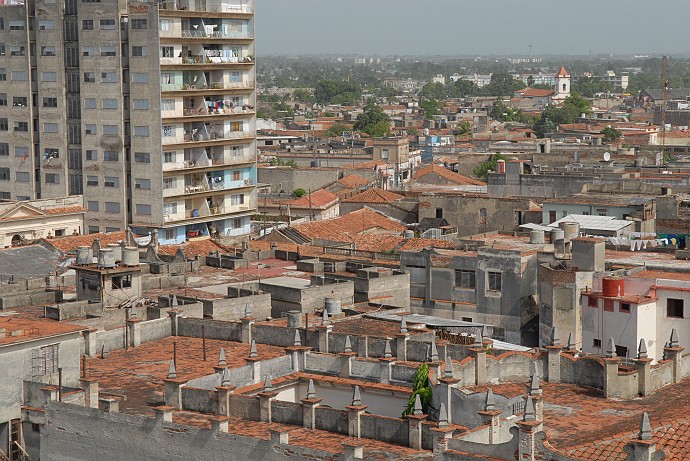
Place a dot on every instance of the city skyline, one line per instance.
(286, 28)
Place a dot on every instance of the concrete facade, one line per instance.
(106, 76)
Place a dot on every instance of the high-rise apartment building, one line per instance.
(144, 107)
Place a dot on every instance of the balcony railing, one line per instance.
(210, 112)
(206, 5)
(205, 59)
(210, 86)
(213, 136)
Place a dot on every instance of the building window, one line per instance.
(140, 183)
(91, 155)
(3, 99)
(140, 77)
(592, 301)
(109, 103)
(44, 361)
(141, 104)
(88, 51)
(112, 207)
(20, 76)
(4, 174)
(166, 24)
(674, 308)
(169, 157)
(139, 24)
(494, 281)
(142, 157)
(169, 183)
(94, 229)
(109, 51)
(24, 126)
(111, 156)
(92, 180)
(122, 281)
(608, 305)
(169, 208)
(89, 103)
(139, 51)
(596, 343)
(625, 307)
(464, 278)
(19, 101)
(92, 205)
(169, 234)
(168, 131)
(89, 77)
(22, 176)
(4, 149)
(17, 50)
(108, 77)
(51, 153)
(50, 127)
(87, 24)
(16, 25)
(50, 102)
(3, 75)
(52, 178)
(48, 76)
(236, 175)
(110, 130)
(46, 25)
(3, 124)
(143, 210)
(90, 128)
(237, 199)
(21, 152)
(111, 181)
(167, 52)
(141, 131)
(107, 24)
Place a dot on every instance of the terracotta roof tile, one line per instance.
(353, 180)
(374, 195)
(346, 227)
(66, 210)
(452, 176)
(18, 329)
(320, 198)
(192, 248)
(71, 243)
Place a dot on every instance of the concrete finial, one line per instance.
(490, 402)
(298, 340)
(448, 374)
(172, 373)
(174, 302)
(403, 326)
(221, 358)
(442, 416)
(611, 352)
(348, 344)
(645, 428)
(417, 406)
(485, 332)
(324, 318)
(356, 397)
(247, 311)
(530, 412)
(478, 339)
(674, 338)
(570, 345)
(311, 390)
(252, 350)
(642, 350)
(387, 351)
(555, 340)
(434, 352)
(268, 386)
(534, 384)
(225, 378)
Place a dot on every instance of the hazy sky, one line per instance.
(459, 27)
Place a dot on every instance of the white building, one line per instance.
(562, 85)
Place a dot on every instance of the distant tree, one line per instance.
(373, 121)
(589, 86)
(302, 95)
(330, 91)
(573, 106)
(464, 129)
(502, 84)
(611, 135)
(337, 129)
(482, 170)
(501, 112)
(463, 88)
(530, 81)
(299, 192)
(541, 86)
(430, 107)
(421, 387)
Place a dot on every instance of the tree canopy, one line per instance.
(482, 170)
(573, 106)
(421, 387)
(337, 92)
(611, 135)
(373, 121)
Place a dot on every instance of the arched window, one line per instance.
(565, 87)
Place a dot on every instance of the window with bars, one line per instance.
(44, 361)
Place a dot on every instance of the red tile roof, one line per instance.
(563, 72)
(353, 180)
(452, 176)
(19, 329)
(374, 195)
(369, 242)
(345, 228)
(72, 242)
(320, 198)
(535, 93)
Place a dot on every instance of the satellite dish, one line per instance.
(426, 131)
(607, 156)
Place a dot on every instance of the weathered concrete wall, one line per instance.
(213, 329)
(391, 430)
(84, 434)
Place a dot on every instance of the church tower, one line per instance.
(562, 85)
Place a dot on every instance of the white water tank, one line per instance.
(333, 306)
(117, 251)
(408, 234)
(130, 256)
(536, 236)
(571, 230)
(557, 234)
(83, 256)
(106, 258)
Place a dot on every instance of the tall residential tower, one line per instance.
(146, 108)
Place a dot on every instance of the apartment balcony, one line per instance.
(190, 140)
(204, 62)
(198, 35)
(237, 7)
(204, 187)
(215, 89)
(193, 115)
